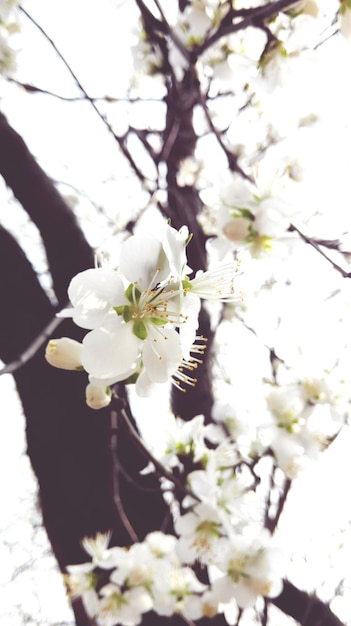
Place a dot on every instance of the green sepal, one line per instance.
(127, 313)
(132, 293)
(119, 309)
(186, 284)
(79, 368)
(139, 329)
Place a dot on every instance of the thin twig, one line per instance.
(177, 42)
(118, 139)
(316, 245)
(272, 523)
(81, 98)
(249, 18)
(115, 478)
(132, 481)
(161, 470)
(231, 157)
(32, 348)
(281, 504)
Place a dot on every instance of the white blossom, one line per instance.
(199, 531)
(143, 316)
(252, 568)
(122, 607)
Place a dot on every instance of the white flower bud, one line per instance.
(97, 397)
(64, 353)
(345, 21)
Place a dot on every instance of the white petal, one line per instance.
(162, 354)
(110, 351)
(93, 293)
(174, 243)
(142, 261)
(144, 386)
(186, 524)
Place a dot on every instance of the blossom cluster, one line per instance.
(217, 526)
(142, 316)
(297, 418)
(307, 415)
(218, 520)
(119, 585)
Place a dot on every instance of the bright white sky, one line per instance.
(83, 155)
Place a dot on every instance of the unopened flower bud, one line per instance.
(64, 353)
(97, 397)
(345, 20)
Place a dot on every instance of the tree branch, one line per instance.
(33, 348)
(118, 139)
(316, 245)
(307, 610)
(249, 18)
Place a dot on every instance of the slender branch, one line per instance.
(82, 98)
(267, 519)
(264, 614)
(271, 523)
(316, 245)
(118, 139)
(249, 18)
(170, 140)
(282, 499)
(33, 348)
(131, 481)
(115, 479)
(177, 42)
(231, 157)
(162, 471)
